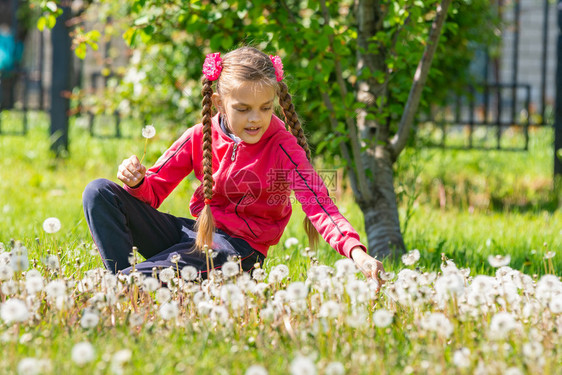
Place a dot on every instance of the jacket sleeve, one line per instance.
(162, 178)
(312, 193)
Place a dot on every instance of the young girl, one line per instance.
(248, 163)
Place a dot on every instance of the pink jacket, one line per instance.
(252, 186)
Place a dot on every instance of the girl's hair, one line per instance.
(242, 65)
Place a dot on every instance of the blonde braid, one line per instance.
(292, 119)
(205, 225)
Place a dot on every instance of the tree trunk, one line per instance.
(382, 223)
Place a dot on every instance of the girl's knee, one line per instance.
(95, 189)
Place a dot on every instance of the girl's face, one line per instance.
(248, 109)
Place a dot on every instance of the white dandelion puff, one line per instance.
(136, 319)
(411, 257)
(34, 366)
(382, 318)
(148, 131)
(6, 272)
(150, 284)
(230, 269)
(335, 368)
(345, 267)
(52, 262)
(14, 310)
(89, 320)
(501, 324)
(302, 365)
(297, 291)
(497, 261)
(291, 241)
(167, 274)
(256, 370)
(259, 274)
(461, 358)
(549, 255)
(51, 225)
(56, 288)
(163, 295)
(169, 310)
(82, 353)
(532, 350)
(189, 273)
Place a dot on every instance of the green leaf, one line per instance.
(141, 21)
(41, 23)
(51, 21)
(80, 51)
(559, 154)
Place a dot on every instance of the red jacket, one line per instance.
(252, 186)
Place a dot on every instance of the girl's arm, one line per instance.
(162, 178)
(367, 264)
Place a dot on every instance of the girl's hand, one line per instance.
(367, 264)
(131, 172)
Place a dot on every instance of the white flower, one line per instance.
(461, 358)
(219, 314)
(33, 366)
(230, 269)
(163, 295)
(6, 272)
(330, 309)
(335, 368)
(549, 255)
(10, 287)
(14, 310)
(302, 366)
(532, 350)
(438, 323)
(291, 241)
(256, 370)
(167, 274)
(34, 284)
(555, 304)
(189, 273)
(122, 356)
(297, 291)
(345, 267)
(136, 319)
(52, 262)
(56, 288)
(411, 258)
(82, 353)
(148, 131)
(89, 320)
(502, 323)
(51, 225)
(497, 261)
(259, 274)
(150, 284)
(169, 310)
(278, 273)
(382, 318)
(513, 371)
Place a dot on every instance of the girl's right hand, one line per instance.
(131, 172)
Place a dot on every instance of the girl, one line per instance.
(248, 163)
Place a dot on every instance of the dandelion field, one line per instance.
(481, 294)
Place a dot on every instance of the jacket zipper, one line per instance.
(234, 152)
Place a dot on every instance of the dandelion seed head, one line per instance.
(335, 368)
(501, 324)
(52, 262)
(549, 255)
(497, 261)
(82, 353)
(461, 358)
(33, 366)
(169, 310)
(230, 269)
(14, 310)
(382, 318)
(163, 295)
(6, 272)
(291, 241)
(150, 284)
(167, 274)
(34, 284)
(136, 320)
(532, 350)
(513, 371)
(51, 225)
(256, 370)
(189, 273)
(330, 309)
(56, 288)
(148, 131)
(10, 287)
(411, 257)
(89, 320)
(297, 291)
(345, 267)
(302, 365)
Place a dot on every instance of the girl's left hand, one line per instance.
(367, 264)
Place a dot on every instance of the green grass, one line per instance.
(494, 203)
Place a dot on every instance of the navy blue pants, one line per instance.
(118, 221)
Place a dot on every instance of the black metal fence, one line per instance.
(503, 98)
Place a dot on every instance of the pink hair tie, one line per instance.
(207, 201)
(278, 65)
(212, 66)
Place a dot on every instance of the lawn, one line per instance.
(450, 311)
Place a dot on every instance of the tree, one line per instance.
(357, 69)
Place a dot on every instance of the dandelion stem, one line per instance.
(144, 153)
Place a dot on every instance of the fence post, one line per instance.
(558, 113)
(60, 86)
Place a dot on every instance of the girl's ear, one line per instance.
(217, 102)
